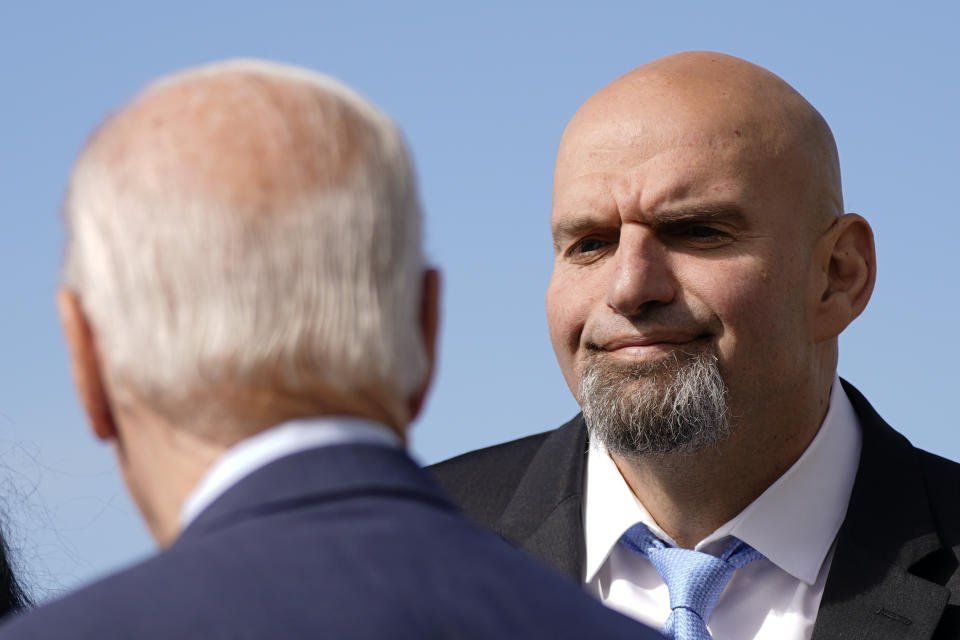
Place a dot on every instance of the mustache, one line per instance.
(697, 341)
(597, 363)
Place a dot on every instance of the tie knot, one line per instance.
(695, 579)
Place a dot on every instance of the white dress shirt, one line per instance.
(285, 439)
(793, 524)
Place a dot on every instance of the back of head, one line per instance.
(247, 229)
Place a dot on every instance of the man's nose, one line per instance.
(642, 275)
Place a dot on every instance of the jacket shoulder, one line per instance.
(942, 479)
(482, 482)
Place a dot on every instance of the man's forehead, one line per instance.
(659, 135)
(646, 127)
(623, 158)
(654, 191)
(653, 179)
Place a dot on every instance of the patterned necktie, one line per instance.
(695, 579)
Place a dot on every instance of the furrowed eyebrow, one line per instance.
(576, 228)
(706, 213)
(663, 218)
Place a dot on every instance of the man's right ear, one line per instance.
(87, 373)
(429, 325)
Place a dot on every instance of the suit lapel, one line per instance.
(871, 592)
(544, 516)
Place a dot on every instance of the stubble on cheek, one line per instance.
(566, 317)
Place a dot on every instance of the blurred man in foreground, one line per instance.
(252, 326)
(704, 269)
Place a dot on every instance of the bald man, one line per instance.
(704, 269)
(251, 326)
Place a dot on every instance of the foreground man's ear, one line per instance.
(847, 270)
(87, 374)
(429, 325)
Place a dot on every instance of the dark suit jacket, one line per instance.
(339, 542)
(895, 569)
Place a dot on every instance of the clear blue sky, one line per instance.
(483, 92)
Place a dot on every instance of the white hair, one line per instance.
(184, 293)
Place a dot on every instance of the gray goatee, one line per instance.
(674, 405)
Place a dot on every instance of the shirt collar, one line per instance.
(284, 439)
(793, 523)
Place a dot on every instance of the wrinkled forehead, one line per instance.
(242, 138)
(644, 158)
(758, 137)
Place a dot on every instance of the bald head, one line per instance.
(250, 226)
(717, 101)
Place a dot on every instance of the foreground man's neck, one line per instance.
(163, 463)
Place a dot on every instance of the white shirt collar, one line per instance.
(793, 523)
(285, 439)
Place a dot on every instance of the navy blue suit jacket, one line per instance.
(349, 541)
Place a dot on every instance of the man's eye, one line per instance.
(702, 232)
(701, 235)
(587, 245)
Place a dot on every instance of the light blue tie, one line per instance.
(695, 579)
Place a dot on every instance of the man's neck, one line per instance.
(690, 495)
(163, 461)
(285, 439)
(161, 466)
